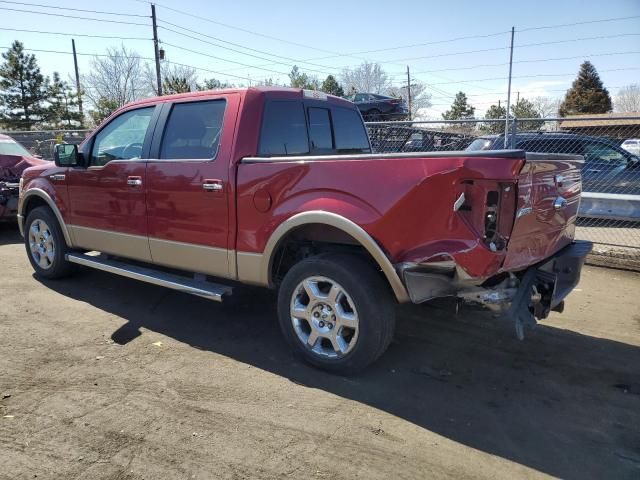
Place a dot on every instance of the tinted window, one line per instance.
(10, 147)
(320, 129)
(122, 138)
(349, 132)
(481, 144)
(193, 130)
(604, 155)
(284, 129)
(361, 97)
(550, 145)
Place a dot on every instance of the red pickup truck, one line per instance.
(279, 188)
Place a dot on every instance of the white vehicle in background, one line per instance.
(632, 145)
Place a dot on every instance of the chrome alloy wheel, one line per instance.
(324, 317)
(41, 244)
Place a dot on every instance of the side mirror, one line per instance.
(66, 155)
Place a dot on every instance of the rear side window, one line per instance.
(550, 145)
(193, 130)
(320, 130)
(350, 135)
(284, 129)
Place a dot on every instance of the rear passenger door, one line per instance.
(188, 186)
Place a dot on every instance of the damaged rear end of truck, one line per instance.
(524, 259)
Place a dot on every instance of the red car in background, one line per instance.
(14, 159)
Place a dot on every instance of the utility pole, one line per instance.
(79, 92)
(409, 91)
(506, 121)
(156, 49)
(517, 98)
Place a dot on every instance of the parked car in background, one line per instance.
(608, 168)
(376, 108)
(14, 159)
(632, 145)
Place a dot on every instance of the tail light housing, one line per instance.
(488, 208)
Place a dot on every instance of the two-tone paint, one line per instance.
(226, 216)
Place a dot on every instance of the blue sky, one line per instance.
(325, 37)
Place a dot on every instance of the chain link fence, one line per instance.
(42, 142)
(610, 207)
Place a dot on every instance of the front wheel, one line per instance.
(45, 244)
(336, 312)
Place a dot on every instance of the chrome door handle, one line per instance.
(58, 177)
(134, 181)
(212, 186)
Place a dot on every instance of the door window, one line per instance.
(193, 130)
(284, 129)
(599, 154)
(122, 138)
(320, 130)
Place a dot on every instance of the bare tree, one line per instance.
(420, 98)
(546, 106)
(117, 77)
(628, 99)
(368, 77)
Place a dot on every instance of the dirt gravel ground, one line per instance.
(105, 378)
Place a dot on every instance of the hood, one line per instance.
(12, 166)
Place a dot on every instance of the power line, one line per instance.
(73, 16)
(533, 76)
(221, 59)
(272, 62)
(541, 60)
(141, 58)
(586, 22)
(74, 34)
(523, 45)
(251, 32)
(75, 9)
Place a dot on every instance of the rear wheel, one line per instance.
(336, 312)
(45, 244)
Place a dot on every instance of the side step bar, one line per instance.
(204, 289)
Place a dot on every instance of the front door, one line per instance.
(188, 192)
(107, 209)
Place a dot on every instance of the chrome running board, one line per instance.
(201, 288)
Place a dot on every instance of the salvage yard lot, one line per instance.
(105, 377)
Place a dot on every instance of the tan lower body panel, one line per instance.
(250, 268)
(191, 257)
(218, 262)
(115, 243)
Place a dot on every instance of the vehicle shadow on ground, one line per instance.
(561, 403)
(9, 233)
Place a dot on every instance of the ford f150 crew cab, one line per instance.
(279, 188)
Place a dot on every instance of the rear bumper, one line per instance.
(563, 270)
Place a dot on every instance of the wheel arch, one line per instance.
(36, 197)
(340, 224)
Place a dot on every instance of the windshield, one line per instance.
(480, 144)
(8, 146)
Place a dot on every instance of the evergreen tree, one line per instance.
(587, 94)
(104, 108)
(63, 102)
(494, 112)
(302, 80)
(526, 109)
(175, 84)
(213, 84)
(332, 87)
(460, 109)
(23, 89)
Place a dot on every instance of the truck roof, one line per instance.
(277, 92)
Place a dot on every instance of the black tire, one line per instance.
(364, 289)
(56, 266)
